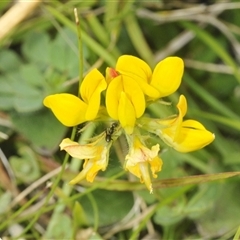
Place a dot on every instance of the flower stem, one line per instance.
(80, 46)
(67, 189)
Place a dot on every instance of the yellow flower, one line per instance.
(125, 100)
(71, 110)
(95, 156)
(139, 159)
(184, 136)
(129, 88)
(132, 79)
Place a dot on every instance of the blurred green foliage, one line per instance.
(41, 57)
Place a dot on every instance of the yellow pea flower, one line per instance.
(71, 110)
(129, 86)
(132, 79)
(140, 158)
(95, 155)
(183, 136)
(125, 100)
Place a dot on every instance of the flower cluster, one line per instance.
(128, 88)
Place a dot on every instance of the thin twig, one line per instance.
(210, 67)
(16, 14)
(174, 45)
(203, 15)
(186, 13)
(34, 185)
(7, 166)
(130, 224)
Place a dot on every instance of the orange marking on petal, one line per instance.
(113, 73)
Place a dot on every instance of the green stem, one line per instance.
(237, 235)
(88, 40)
(95, 210)
(19, 211)
(67, 189)
(102, 35)
(209, 99)
(80, 47)
(136, 35)
(50, 194)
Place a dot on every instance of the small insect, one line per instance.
(109, 131)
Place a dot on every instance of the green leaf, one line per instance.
(61, 228)
(5, 199)
(64, 53)
(120, 201)
(25, 167)
(29, 102)
(19, 94)
(168, 215)
(6, 94)
(224, 214)
(41, 128)
(9, 61)
(6, 101)
(36, 47)
(79, 217)
(203, 200)
(5, 86)
(32, 75)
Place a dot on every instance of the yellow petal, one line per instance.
(135, 95)
(193, 124)
(193, 136)
(76, 150)
(156, 165)
(177, 124)
(145, 176)
(140, 170)
(93, 82)
(99, 163)
(134, 66)
(92, 166)
(112, 97)
(133, 168)
(174, 125)
(182, 105)
(92, 86)
(167, 75)
(93, 105)
(133, 92)
(169, 128)
(82, 174)
(138, 159)
(126, 113)
(68, 109)
(92, 173)
(89, 172)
